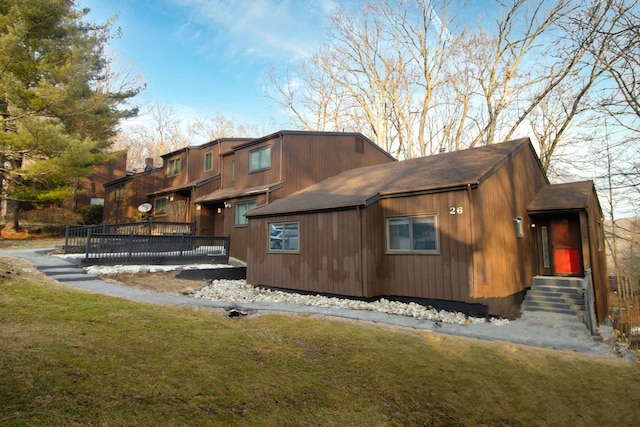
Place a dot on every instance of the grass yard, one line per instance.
(71, 358)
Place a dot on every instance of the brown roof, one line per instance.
(231, 193)
(183, 187)
(559, 197)
(363, 186)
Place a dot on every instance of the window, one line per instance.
(233, 170)
(241, 208)
(208, 161)
(260, 159)
(412, 234)
(160, 206)
(283, 237)
(119, 193)
(599, 236)
(173, 167)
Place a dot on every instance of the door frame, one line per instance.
(545, 245)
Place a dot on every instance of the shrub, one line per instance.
(91, 214)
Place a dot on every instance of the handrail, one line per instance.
(589, 303)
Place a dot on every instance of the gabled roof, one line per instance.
(562, 197)
(364, 186)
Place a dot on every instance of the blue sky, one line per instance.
(208, 57)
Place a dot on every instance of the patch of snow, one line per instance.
(115, 269)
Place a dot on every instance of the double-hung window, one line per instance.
(412, 234)
(241, 208)
(260, 158)
(284, 237)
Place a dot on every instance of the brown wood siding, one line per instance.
(311, 158)
(135, 193)
(246, 179)
(442, 275)
(597, 256)
(240, 235)
(182, 177)
(328, 260)
(505, 264)
(92, 186)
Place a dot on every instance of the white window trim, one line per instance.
(390, 251)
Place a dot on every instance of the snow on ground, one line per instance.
(240, 291)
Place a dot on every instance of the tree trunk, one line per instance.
(12, 218)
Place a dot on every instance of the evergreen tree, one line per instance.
(58, 113)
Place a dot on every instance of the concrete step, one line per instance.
(553, 305)
(66, 273)
(537, 294)
(553, 299)
(546, 309)
(563, 282)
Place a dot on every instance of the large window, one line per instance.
(241, 208)
(208, 161)
(412, 234)
(173, 167)
(260, 158)
(160, 206)
(284, 237)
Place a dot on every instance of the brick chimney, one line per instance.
(148, 164)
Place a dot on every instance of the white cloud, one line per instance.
(265, 28)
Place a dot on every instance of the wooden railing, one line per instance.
(110, 249)
(75, 238)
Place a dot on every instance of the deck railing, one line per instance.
(131, 248)
(75, 238)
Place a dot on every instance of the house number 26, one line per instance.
(455, 211)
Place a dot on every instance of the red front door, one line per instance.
(565, 244)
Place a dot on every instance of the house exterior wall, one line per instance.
(505, 264)
(328, 260)
(92, 186)
(298, 159)
(480, 258)
(122, 205)
(441, 275)
(594, 254)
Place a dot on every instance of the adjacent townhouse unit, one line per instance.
(472, 227)
(216, 183)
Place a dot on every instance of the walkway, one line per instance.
(555, 331)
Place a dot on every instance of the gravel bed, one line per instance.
(240, 291)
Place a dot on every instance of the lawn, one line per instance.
(69, 358)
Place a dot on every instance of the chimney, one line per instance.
(148, 164)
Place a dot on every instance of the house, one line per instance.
(470, 227)
(216, 183)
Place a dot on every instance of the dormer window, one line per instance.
(173, 167)
(260, 159)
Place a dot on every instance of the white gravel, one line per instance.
(240, 291)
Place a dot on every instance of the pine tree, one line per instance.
(58, 113)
